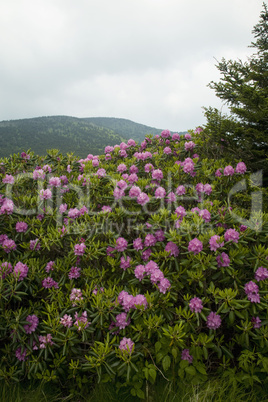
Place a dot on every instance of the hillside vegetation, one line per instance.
(79, 136)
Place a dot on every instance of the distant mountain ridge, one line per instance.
(79, 136)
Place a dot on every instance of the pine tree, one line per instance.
(243, 87)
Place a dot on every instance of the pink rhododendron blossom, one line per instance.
(180, 212)
(160, 192)
(167, 150)
(20, 271)
(21, 227)
(66, 321)
(261, 274)
(176, 137)
(82, 321)
(231, 235)
(9, 245)
(138, 244)
(189, 145)
(35, 245)
(101, 173)
(143, 198)
(241, 168)
(164, 285)
(55, 181)
(139, 272)
(218, 173)
(125, 262)
(146, 254)
(45, 340)
(134, 192)
(74, 273)
(122, 184)
(150, 240)
(49, 283)
(122, 321)
(5, 269)
(121, 168)
(251, 290)
(8, 179)
(214, 242)
(95, 162)
(21, 356)
(79, 249)
(121, 244)
(157, 174)
(223, 260)
(188, 136)
(140, 300)
(196, 305)
(256, 321)
(185, 355)
(126, 344)
(171, 197)
(118, 193)
(50, 266)
(195, 246)
(180, 190)
(148, 167)
(160, 235)
(33, 323)
(132, 178)
(213, 320)
(172, 248)
(228, 171)
(128, 302)
(205, 214)
(76, 296)
(74, 213)
(39, 174)
(156, 275)
(207, 189)
(165, 134)
(106, 208)
(131, 142)
(7, 207)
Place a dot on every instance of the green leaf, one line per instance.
(166, 362)
(190, 370)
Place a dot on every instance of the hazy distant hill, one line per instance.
(68, 134)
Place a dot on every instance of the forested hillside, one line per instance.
(68, 134)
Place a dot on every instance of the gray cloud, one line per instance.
(146, 60)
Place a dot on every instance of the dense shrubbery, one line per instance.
(147, 262)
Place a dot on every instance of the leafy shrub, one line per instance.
(146, 262)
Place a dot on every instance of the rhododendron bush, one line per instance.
(146, 262)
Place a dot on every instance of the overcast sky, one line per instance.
(145, 60)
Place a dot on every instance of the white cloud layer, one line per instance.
(145, 60)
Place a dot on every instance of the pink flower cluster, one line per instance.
(156, 275)
(213, 320)
(251, 290)
(79, 249)
(214, 243)
(82, 321)
(195, 246)
(20, 271)
(45, 340)
(185, 355)
(33, 323)
(49, 283)
(196, 305)
(126, 344)
(231, 235)
(76, 296)
(128, 301)
(261, 274)
(223, 260)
